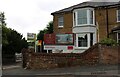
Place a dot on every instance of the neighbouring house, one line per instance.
(78, 27)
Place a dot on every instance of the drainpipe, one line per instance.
(107, 24)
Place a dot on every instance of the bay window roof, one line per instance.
(86, 4)
(116, 28)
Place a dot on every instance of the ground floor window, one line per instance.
(118, 38)
(91, 39)
(82, 40)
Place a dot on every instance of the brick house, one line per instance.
(90, 22)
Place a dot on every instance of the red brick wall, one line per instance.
(97, 54)
(109, 54)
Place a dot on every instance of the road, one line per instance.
(78, 71)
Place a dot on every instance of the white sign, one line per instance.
(31, 36)
(57, 47)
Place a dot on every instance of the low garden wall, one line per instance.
(96, 54)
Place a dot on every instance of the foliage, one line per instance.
(12, 41)
(48, 29)
(40, 35)
(108, 42)
(2, 19)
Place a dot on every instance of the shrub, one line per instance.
(108, 42)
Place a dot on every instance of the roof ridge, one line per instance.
(85, 4)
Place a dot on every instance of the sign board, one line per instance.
(58, 47)
(31, 36)
(64, 39)
(49, 39)
(31, 39)
(58, 39)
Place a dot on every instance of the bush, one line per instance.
(108, 42)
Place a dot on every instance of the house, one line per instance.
(89, 22)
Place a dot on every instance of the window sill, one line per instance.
(85, 25)
(118, 21)
(83, 48)
(60, 26)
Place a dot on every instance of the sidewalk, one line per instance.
(78, 70)
(12, 66)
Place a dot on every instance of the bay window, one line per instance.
(91, 16)
(84, 17)
(118, 15)
(82, 40)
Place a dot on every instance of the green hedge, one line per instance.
(108, 42)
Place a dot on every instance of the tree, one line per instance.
(2, 19)
(4, 30)
(48, 30)
(50, 27)
(12, 41)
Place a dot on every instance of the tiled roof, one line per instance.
(86, 4)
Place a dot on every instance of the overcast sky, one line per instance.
(32, 15)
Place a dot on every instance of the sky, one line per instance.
(31, 16)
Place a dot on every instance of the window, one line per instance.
(60, 21)
(91, 39)
(74, 18)
(84, 17)
(91, 16)
(118, 15)
(82, 40)
(118, 37)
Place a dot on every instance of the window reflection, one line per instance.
(82, 40)
(64, 38)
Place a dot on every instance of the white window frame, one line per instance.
(88, 41)
(60, 26)
(117, 15)
(75, 21)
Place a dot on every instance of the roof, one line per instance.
(116, 28)
(86, 4)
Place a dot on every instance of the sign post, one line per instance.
(31, 39)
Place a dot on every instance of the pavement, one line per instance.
(16, 69)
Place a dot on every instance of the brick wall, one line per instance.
(101, 19)
(109, 54)
(97, 54)
(68, 23)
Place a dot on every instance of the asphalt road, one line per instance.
(78, 71)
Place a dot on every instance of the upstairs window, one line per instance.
(60, 21)
(84, 16)
(91, 19)
(118, 15)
